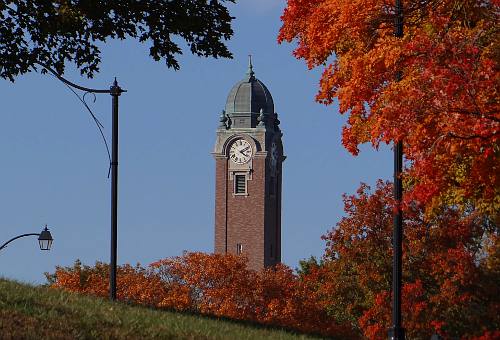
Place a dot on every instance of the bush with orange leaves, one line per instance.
(135, 284)
(213, 284)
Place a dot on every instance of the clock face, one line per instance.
(274, 154)
(240, 152)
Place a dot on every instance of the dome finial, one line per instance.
(250, 72)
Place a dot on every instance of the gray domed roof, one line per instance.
(249, 95)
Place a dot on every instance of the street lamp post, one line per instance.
(115, 91)
(396, 332)
(44, 239)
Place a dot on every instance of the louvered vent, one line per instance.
(241, 184)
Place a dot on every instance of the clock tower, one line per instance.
(248, 161)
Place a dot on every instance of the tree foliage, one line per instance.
(56, 32)
(446, 107)
(450, 270)
(219, 285)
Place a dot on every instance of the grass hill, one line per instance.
(29, 312)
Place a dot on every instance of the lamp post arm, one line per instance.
(114, 91)
(69, 83)
(15, 238)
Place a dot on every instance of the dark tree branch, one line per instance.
(54, 33)
(469, 137)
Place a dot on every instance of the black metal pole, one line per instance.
(397, 332)
(115, 92)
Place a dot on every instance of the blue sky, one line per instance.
(54, 165)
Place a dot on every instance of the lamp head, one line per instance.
(45, 239)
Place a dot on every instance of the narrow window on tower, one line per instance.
(272, 254)
(240, 184)
(239, 248)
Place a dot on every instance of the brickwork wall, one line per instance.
(221, 192)
(253, 220)
(246, 217)
(273, 223)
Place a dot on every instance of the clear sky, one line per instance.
(54, 164)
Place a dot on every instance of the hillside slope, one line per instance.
(28, 312)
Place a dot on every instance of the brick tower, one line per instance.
(248, 160)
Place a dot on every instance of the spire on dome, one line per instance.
(250, 72)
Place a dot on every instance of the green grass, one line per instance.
(28, 312)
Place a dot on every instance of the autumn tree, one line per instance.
(450, 269)
(135, 283)
(213, 284)
(446, 107)
(223, 285)
(54, 33)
